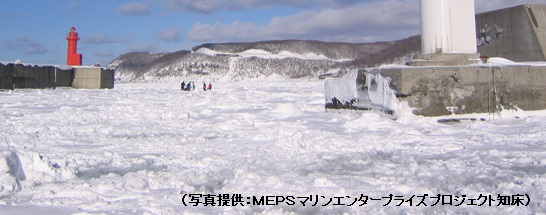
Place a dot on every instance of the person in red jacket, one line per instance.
(209, 87)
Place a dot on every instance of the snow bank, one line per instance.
(11, 173)
(25, 169)
(497, 61)
(501, 61)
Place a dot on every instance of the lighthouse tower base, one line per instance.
(448, 34)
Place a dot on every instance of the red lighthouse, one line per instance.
(73, 58)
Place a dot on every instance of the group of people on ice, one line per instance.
(191, 86)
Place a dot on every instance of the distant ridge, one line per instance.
(332, 50)
(285, 58)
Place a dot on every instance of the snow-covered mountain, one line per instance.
(286, 58)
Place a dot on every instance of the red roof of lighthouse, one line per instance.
(73, 29)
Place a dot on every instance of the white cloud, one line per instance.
(236, 31)
(101, 39)
(203, 6)
(143, 47)
(26, 44)
(331, 20)
(104, 54)
(209, 6)
(134, 9)
(365, 22)
(169, 35)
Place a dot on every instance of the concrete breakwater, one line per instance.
(17, 76)
(445, 90)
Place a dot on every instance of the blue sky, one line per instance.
(34, 31)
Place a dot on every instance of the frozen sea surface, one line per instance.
(148, 148)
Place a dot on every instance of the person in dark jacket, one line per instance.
(183, 86)
(204, 86)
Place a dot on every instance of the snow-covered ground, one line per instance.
(148, 148)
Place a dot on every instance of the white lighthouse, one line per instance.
(448, 31)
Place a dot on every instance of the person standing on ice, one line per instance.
(188, 88)
(183, 86)
(210, 86)
(193, 85)
(204, 86)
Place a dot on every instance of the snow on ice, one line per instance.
(142, 147)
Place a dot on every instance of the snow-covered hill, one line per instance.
(236, 61)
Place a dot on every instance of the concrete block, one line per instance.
(24, 77)
(435, 91)
(46, 77)
(107, 79)
(516, 33)
(93, 78)
(37, 77)
(6, 76)
(522, 87)
(432, 91)
(63, 77)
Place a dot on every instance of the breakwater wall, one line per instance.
(20, 76)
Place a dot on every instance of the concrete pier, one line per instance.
(16, 76)
(436, 91)
(440, 82)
